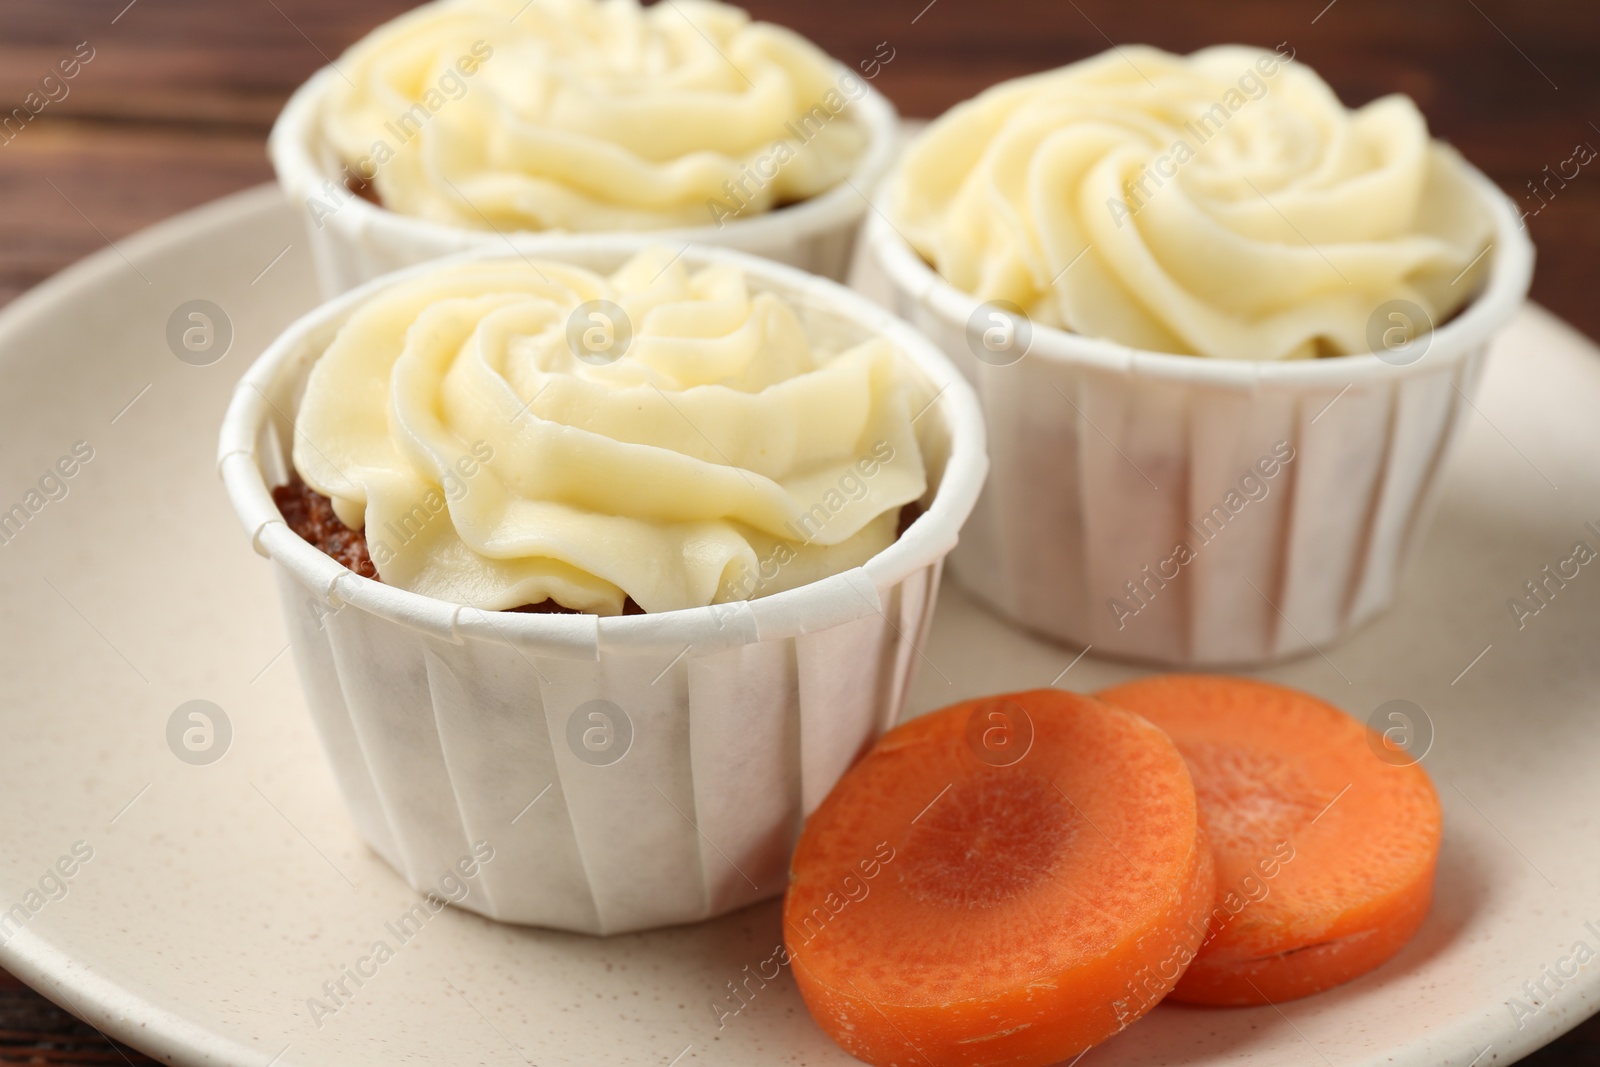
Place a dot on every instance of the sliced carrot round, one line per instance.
(1325, 853)
(1005, 881)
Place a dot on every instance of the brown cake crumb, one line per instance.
(364, 189)
(368, 191)
(310, 514)
(909, 514)
(551, 607)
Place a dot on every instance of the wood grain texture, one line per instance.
(174, 106)
(179, 93)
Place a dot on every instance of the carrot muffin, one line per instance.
(1196, 293)
(602, 428)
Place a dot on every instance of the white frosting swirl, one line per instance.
(589, 115)
(1223, 204)
(722, 456)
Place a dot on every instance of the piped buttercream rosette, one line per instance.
(1223, 204)
(590, 115)
(714, 453)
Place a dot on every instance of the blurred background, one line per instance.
(173, 99)
(172, 109)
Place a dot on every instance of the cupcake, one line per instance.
(464, 121)
(1224, 331)
(614, 557)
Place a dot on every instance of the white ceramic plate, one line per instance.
(220, 897)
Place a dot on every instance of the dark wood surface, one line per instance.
(173, 109)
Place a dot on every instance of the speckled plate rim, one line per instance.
(115, 1008)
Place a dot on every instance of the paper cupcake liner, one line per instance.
(722, 727)
(354, 241)
(1107, 459)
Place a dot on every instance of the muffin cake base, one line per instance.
(310, 514)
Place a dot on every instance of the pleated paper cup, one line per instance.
(628, 772)
(1194, 511)
(354, 241)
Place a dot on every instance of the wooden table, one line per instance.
(173, 107)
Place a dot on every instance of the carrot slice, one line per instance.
(1325, 853)
(1005, 881)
